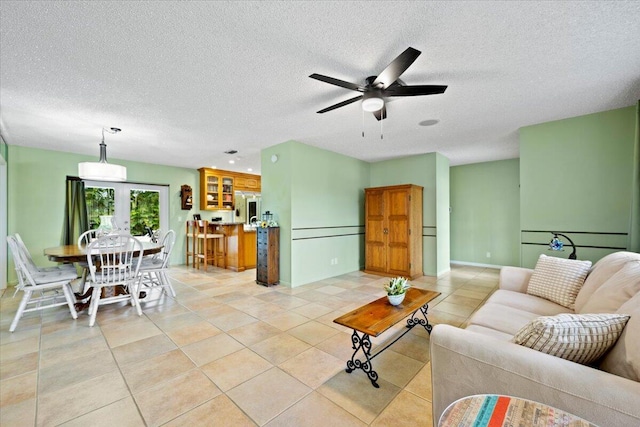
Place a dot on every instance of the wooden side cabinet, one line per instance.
(268, 258)
(393, 231)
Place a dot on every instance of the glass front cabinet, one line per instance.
(216, 190)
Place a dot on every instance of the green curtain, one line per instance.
(76, 219)
(634, 227)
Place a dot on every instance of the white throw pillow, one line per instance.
(558, 279)
(581, 338)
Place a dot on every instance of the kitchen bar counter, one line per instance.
(241, 244)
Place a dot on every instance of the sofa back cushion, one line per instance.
(624, 358)
(600, 273)
(558, 279)
(615, 291)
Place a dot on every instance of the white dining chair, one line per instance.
(114, 261)
(153, 270)
(41, 289)
(31, 265)
(83, 242)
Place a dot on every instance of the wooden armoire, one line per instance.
(393, 230)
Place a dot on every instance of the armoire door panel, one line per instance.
(376, 257)
(398, 230)
(375, 232)
(375, 204)
(398, 260)
(398, 203)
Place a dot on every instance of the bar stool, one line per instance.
(220, 256)
(209, 246)
(190, 245)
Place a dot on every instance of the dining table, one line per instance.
(76, 253)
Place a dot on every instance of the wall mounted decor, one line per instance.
(186, 197)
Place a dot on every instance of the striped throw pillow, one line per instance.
(581, 338)
(558, 279)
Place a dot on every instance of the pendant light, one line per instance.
(103, 171)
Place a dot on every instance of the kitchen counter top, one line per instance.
(247, 227)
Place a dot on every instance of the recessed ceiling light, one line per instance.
(214, 167)
(430, 122)
(232, 161)
(250, 170)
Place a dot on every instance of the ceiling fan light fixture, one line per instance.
(373, 103)
(102, 170)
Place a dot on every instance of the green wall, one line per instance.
(576, 177)
(485, 213)
(36, 195)
(430, 171)
(317, 197)
(276, 198)
(4, 249)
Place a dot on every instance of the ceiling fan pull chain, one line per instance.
(362, 123)
(383, 115)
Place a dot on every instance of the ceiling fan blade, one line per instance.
(381, 114)
(340, 104)
(337, 82)
(398, 82)
(398, 66)
(414, 90)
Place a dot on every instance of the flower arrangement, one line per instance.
(397, 286)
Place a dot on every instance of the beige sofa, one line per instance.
(481, 359)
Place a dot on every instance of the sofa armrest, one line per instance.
(515, 278)
(464, 363)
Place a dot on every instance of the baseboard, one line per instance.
(476, 264)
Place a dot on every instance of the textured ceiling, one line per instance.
(187, 81)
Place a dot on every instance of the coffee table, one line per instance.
(376, 317)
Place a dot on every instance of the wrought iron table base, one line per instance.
(363, 343)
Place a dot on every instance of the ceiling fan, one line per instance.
(386, 84)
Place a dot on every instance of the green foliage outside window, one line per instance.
(145, 211)
(144, 208)
(100, 201)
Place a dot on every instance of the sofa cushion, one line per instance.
(600, 273)
(526, 302)
(615, 291)
(624, 357)
(581, 338)
(501, 317)
(558, 279)
(490, 332)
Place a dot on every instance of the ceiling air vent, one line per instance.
(231, 152)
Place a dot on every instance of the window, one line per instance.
(133, 206)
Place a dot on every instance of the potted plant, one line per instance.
(396, 290)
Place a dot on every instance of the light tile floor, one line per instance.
(225, 352)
